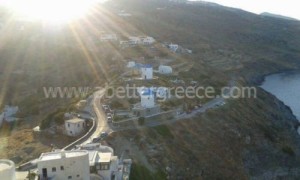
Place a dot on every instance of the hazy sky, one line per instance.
(289, 8)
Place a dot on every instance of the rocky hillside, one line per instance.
(246, 139)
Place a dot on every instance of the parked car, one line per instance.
(103, 135)
(109, 119)
(109, 115)
(104, 106)
(107, 110)
(96, 140)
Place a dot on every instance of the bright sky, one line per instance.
(282, 7)
(288, 8)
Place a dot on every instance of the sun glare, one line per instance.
(58, 11)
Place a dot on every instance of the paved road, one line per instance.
(209, 105)
(102, 125)
(100, 119)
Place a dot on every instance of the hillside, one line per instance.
(246, 139)
(277, 16)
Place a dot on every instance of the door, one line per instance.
(44, 173)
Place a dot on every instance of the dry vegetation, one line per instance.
(246, 138)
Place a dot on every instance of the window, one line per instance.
(68, 124)
(69, 177)
(104, 166)
(78, 175)
(62, 168)
(54, 169)
(78, 125)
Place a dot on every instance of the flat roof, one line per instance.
(92, 156)
(5, 164)
(105, 157)
(60, 155)
(75, 120)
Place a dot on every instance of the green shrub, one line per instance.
(141, 121)
(288, 150)
(163, 130)
(139, 172)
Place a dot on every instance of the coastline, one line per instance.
(262, 80)
(258, 80)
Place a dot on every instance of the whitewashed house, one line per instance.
(142, 40)
(10, 111)
(147, 106)
(124, 44)
(7, 170)
(131, 64)
(103, 162)
(147, 40)
(147, 98)
(133, 40)
(165, 69)
(173, 47)
(147, 71)
(74, 127)
(63, 165)
(8, 114)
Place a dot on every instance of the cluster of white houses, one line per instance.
(87, 161)
(175, 48)
(145, 70)
(147, 106)
(8, 114)
(131, 41)
(137, 40)
(90, 161)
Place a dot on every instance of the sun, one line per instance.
(58, 11)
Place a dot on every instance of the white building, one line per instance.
(8, 114)
(147, 98)
(103, 162)
(165, 69)
(173, 47)
(108, 37)
(133, 40)
(64, 165)
(131, 64)
(147, 72)
(7, 170)
(74, 127)
(147, 40)
(142, 40)
(147, 106)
